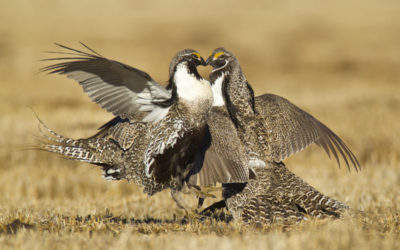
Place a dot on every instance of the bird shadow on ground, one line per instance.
(14, 226)
(63, 221)
(202, 217)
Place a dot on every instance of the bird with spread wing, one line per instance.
(247, 139)
(156, 131)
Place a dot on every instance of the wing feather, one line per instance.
(115, 86)
(220, 156)
(289, 129)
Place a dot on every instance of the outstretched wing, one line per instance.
(120, 89)
(288, 130)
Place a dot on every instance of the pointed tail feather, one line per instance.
(53, 142)
(54, 137)
(80, 150)
(84, 154)
(75, 153)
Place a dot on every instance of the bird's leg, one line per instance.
(203, 192)
(190, 212)
(180, 202)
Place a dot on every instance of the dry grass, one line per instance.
(339, 60)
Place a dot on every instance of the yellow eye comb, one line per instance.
(197, 54)
(218, 54)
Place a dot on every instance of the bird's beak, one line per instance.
(202, 62)
(209, 59)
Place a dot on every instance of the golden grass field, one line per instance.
(338, 60)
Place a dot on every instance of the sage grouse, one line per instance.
(248, 138)
(156, 130)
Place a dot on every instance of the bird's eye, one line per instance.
(196, 55)
(219, 55)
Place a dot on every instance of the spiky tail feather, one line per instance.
(307, 198)
(73, 149)
(311, 200)
(80, 150)
(76, 153)
(277, 194)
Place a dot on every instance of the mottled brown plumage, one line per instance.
(120, 150)
(156, 131)
(285, 129)
(214, 161)
(278, 194)
(265, 130)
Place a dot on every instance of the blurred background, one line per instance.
(338, 60)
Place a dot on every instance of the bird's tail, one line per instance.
(92, 150)
(267, 208)
(53, 142)
(278, 194)
(319, 205)
(307, 198)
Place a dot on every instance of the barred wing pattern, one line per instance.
(285, 130)
(120, 89)
(288, 130)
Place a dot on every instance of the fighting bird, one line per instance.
(247, 139)
(156, 131)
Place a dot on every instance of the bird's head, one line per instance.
(191, 58)
(221, 60)
(185, 81)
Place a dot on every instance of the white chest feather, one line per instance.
(217, 92)
(188, 87)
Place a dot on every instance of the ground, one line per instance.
(338, 60)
